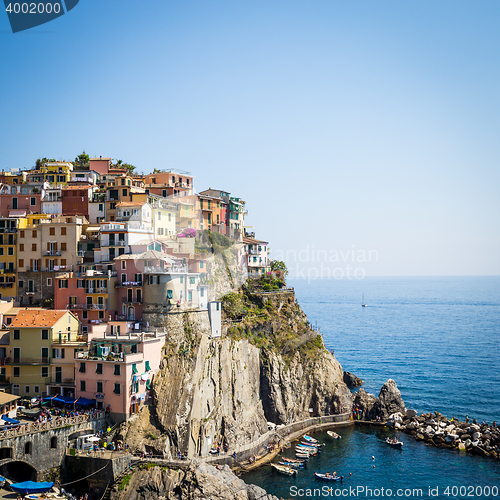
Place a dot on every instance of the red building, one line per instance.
(75, 200)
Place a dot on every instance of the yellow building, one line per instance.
(42, 351)
(8, 256)
(57, 173)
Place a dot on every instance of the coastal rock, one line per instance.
(365, 402)
(411, 413)
(389, 401)
(200, 481)
(225, 390)
(476, 436)
(351, 380)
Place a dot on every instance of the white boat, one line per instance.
(333, 435)
(288, 471)
(394, 442)
(364, 304)
(310, 439)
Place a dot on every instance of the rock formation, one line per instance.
(200, 481)
(351, 380)
(388, 402)
(269, 365)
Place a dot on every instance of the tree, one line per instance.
(82, 160)
(130, 168)
(279, 265)
(40, 162)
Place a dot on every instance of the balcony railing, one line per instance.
(162, 270)
(254, 252)
(8, 230)
(27, 361)
(88, 307)
(119, 243)
(127, 300)
(69, 382)
(53, 252)
(96, 290)
(128, 284)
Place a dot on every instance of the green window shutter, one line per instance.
(148, 384)
(134, 368)
(148, 368)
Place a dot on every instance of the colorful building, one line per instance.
(33, 333)
(119, 369)
(257, 253)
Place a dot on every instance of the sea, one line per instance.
(439, 339)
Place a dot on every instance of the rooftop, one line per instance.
(37, 318)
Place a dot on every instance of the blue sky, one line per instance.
(352, 125)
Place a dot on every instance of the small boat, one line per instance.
(394, 442)
(307, 449)
(364, 304)
(299, 454)
(293, 465)
(310, 445)
(306, 453)
(30, 487)
(288, 471)
(328, 477)
(286, 459)
(333, 435)
(310, 439)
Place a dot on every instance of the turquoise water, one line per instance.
(439, 339)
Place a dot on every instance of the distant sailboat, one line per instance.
(364, 304)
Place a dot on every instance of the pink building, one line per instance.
(129, 286)
(119, 368)
(257, 254)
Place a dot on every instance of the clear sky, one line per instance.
(345, 125)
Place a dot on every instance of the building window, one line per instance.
(27, 448)
(117, 369)
(36, 389)
(190, 296)
(63, 247)
(49, 281)
(192, 281)
(10, 251)
(34, 233)
(21, 234)
(100, 207)
(63, 283)
(21, 247)
(99, 386)
(117, 389)
(83, 386)
(53, 442)
(45, 335)
(33, 202)
(26, 389)
(16, 371)
(124, 264)
(21, 264)
(52, 231)
(80, 283)
(98, 370)
(63, 231)
(17, 334)
(33, 247)
(45, 371)
(82, 367)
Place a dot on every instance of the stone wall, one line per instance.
(45, 449)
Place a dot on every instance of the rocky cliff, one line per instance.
(269, 365)
(200, 481)
(388, 402)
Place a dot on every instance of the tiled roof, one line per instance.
(37, 319)
(130, 203)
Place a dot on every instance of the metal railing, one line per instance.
(60, 381)
(100, 307)
(58, 423)
(53, 252)
(128, 283)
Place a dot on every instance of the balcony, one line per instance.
(119, 243)
(128, 300)
(67, 382)
(163, 270)
(27, 361)
(55, 253)
(96, 290)
(8, 230)
(128, 284)
(87, 307)
(254, 252)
